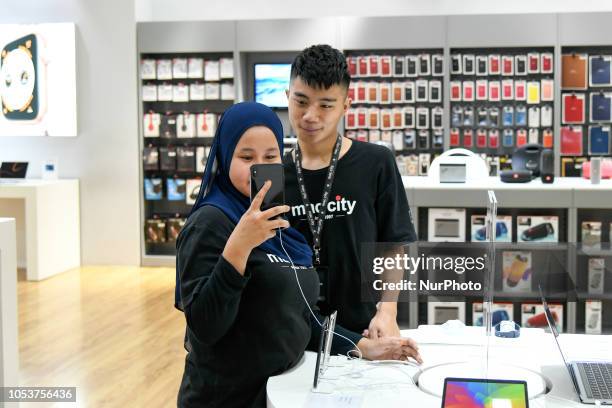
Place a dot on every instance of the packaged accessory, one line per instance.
(179, 68)
(574, 71)
(185, 159)
(153, 189)
(195, 68)
(151, 122)
(175, 188)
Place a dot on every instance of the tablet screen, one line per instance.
(481, 393)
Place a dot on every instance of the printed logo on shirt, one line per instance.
(340, 207)
(278, 259)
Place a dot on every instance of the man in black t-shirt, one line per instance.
(364, 203)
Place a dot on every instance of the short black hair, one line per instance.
(321, 66)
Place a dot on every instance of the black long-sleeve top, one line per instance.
(240, 329)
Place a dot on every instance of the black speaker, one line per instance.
(516, 176)
(547, 166)
(537, 232)
(527, 157)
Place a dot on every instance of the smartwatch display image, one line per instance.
(22, 86)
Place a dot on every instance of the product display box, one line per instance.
(192, 190)
(591, 235)
(597, 272)
(503, 228)
(153, 189)
(175, 188)
(532, 315)
(155, 231)
(517, 272)
(536, 228)
(441, 312)
(446, 225)
(592, 317)
(173, 228)
(500, 311)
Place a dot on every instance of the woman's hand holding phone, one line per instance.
(254, 228)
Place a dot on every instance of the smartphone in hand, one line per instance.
(274, 172)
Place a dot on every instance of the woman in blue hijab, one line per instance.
(246, 317)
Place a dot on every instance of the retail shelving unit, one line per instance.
(572, 200)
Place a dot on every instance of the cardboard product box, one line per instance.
(596, 275)
(536, 228)
(517, 272)
(501, 311)
(592, 317)
(532, 315)
(503, 228)
(591, 235)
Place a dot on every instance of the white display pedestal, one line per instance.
(391, 385)
(52, 224)
(9, 347)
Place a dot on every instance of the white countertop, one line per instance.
(560, 184)
(390, 385)
(11, 183)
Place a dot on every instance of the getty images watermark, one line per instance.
(405, 273)
(459, 265)
(397, 272)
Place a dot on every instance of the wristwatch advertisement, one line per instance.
(38, 80)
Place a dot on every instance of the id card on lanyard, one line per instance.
(315, 222)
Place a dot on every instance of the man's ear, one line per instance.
(287, 92)
(347, 103)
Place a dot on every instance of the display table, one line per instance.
(565, 192)
(9, 349)
(52, 224)
(391, 385)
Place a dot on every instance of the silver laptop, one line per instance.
(592, 379)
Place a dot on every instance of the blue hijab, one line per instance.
(217, 189)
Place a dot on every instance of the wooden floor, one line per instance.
(112, 332)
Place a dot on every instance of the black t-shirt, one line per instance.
(240, 329)
(367, 204)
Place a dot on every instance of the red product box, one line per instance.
(546, 63)
(385, 65)
(534, 63)
(373, 60)
(573, 108)
(507, 65)
(481, 138)
(521, 137)
(454, 137)
(468, 138)
(494, 91)
(352, 65)
(494, 139)
(455, 92)
(494, 65)
(547, 139)
(362, 66)
(571, 140)
(361, 118)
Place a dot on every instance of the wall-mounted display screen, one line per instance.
(271, 81)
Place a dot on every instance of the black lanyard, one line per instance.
(317, 227)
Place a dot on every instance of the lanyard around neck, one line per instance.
(316, 227)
